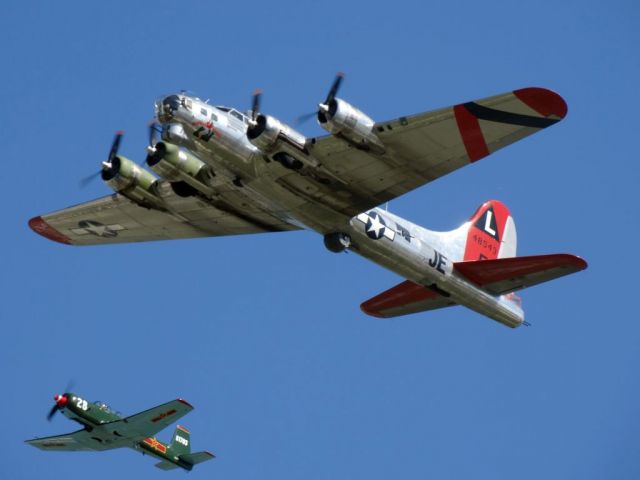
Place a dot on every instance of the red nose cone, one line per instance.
(61, 400)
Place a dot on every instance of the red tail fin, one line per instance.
(491, 234)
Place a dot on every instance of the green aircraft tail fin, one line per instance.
(181, 441)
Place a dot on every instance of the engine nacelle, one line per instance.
(270, 134)
(175, 164)
(347, 122)
(128, 179)
(175, 132)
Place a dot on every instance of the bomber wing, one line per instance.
(116, 219)
(421, 148)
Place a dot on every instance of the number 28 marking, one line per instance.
(81, 403)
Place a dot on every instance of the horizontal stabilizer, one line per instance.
(403, 299)
(505, 275)
(166, 465)
(197, 457)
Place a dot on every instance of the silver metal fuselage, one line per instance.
(399, 245)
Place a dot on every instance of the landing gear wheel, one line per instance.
(337, 242)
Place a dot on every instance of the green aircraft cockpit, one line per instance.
(106, 408)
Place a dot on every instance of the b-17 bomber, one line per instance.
(105, 429)
(215, 171)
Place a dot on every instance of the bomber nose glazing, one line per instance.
(168, 107)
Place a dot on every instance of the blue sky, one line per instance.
(263, 334)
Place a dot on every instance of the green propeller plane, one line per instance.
(104, 429)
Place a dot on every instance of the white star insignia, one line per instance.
(87, 227)
(376, 226)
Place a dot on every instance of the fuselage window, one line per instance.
(203, 111)
(214, 117)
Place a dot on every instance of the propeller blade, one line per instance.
(255, 103)
(70, 384)
(334, 88)
(115, 146)
(304, 118)
(154, 129)
(89, 179)
(52, 412)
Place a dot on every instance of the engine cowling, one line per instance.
(175, 164)
(347, 122)
(171, 163)
(270, 134)
(132, 181)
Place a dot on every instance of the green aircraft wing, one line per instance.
(72, 442)
(148, 423)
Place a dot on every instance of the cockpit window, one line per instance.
(172, 102)
(102, 406)
(224, 109)
(237, 115)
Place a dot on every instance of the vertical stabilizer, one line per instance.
(181, 441)
(491, 233)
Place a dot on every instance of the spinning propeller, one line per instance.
(154, 130)
(255, 105)
(61, 401)
(323, 108)
(108, 164)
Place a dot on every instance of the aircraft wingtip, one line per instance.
(182, 400)
(544, 101)
(38, 225)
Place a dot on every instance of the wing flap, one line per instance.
(505, 275)
(403, 299)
